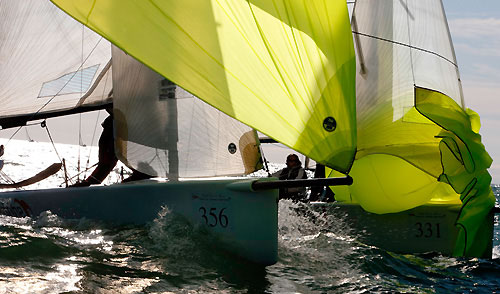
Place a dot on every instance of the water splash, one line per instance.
(317, 254)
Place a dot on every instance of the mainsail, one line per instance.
(49, 63)
(52, 65)
(413, 127)
(409, 46)
(162, 130)
(286, 68)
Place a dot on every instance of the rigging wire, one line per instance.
(43, 124)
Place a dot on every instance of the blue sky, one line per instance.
(475, 30)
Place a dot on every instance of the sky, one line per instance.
(475, 30)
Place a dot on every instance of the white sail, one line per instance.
(400, 45)
(48, 61)
(162, 130)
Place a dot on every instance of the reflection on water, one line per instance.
(168, 256)
(317, 254)
(40, 279)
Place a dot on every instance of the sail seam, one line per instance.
(406, 45)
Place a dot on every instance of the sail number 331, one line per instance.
(214, 217)
(427, 230)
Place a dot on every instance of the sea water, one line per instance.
(51, 255)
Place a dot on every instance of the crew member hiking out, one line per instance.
(292, 171)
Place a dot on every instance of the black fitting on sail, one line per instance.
(266, 185)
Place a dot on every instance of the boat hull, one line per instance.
(427, 228)
(245, 222)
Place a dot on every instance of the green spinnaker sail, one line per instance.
(286, 68)
(465, 162)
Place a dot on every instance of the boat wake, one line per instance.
(319, 253)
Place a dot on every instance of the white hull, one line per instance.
(427, 228)
(244, 221)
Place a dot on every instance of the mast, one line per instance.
(168, 93)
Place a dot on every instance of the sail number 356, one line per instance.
(214, 218)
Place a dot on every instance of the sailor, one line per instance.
(107, 157)
(292, 171)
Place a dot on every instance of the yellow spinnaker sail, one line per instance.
(286, 68)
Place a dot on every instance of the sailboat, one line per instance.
(413, 142)
(287, 69)
(53, 66)
(420, 167)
